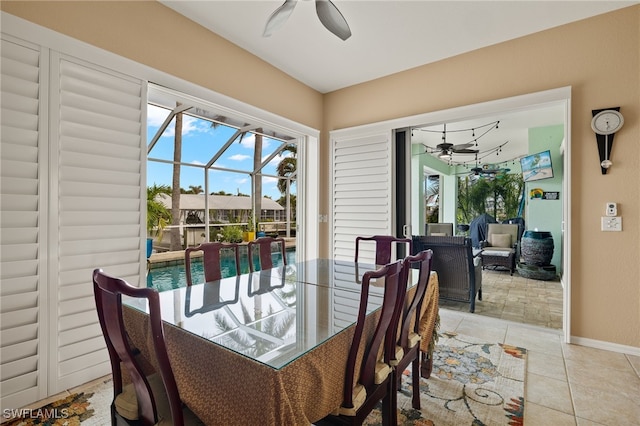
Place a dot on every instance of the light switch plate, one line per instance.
(611, 223)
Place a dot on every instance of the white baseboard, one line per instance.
(607, 346)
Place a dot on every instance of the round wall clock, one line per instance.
(607, 122)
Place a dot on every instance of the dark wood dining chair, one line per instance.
(383, 244)
(211, 257)
(148, 400)
(375, 381)
(263, 246)
(408, 318)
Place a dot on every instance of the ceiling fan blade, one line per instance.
(279, 17)
(463, 145)
(332, 19)
(464, 151)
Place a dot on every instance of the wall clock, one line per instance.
(605, 123)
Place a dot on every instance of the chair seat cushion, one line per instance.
(126, 404)
(398, 356)
(413, 339)
(359, 397)
(495, 251)
(382, 372)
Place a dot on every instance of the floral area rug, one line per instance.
(90, 407)
(472, 383)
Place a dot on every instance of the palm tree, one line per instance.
(287, 166)
(175, 196)
(504, 190)
(193, 189)
(158, 216)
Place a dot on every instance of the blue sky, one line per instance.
(200, 142)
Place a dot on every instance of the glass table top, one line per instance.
(272, 316)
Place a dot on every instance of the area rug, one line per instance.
(472, 383)
(90, 407)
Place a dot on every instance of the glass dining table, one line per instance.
(268, 347)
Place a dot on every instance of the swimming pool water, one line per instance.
(170, 277)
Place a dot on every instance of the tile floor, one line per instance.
(514, 298)
(566, 384)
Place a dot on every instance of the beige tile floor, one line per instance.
(514, 298)
(565, 384)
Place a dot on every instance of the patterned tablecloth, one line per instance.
(222, 387)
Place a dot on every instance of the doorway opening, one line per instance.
(528, 125)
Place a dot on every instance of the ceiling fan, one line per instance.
(327, 12)
(447, 149)
(488, 171)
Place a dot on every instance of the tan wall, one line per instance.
(152, 34)
(600, 59)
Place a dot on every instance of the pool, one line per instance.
(173, 276)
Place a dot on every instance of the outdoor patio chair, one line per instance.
(148, 400)
(440, 229)
(500, 248)
(459, 271)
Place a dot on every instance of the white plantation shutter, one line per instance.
(22, 232)
(99, 200)
(361, 196)
(361, 193)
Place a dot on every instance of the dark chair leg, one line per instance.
(389, 404)
(426, 367)
(415, 382)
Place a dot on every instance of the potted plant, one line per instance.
(250, 231)
(158, 216)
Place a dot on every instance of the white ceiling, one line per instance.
(387, 36)
(392, 36)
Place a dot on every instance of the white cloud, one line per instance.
(249, 142)
(239, 157)
(157, 115)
